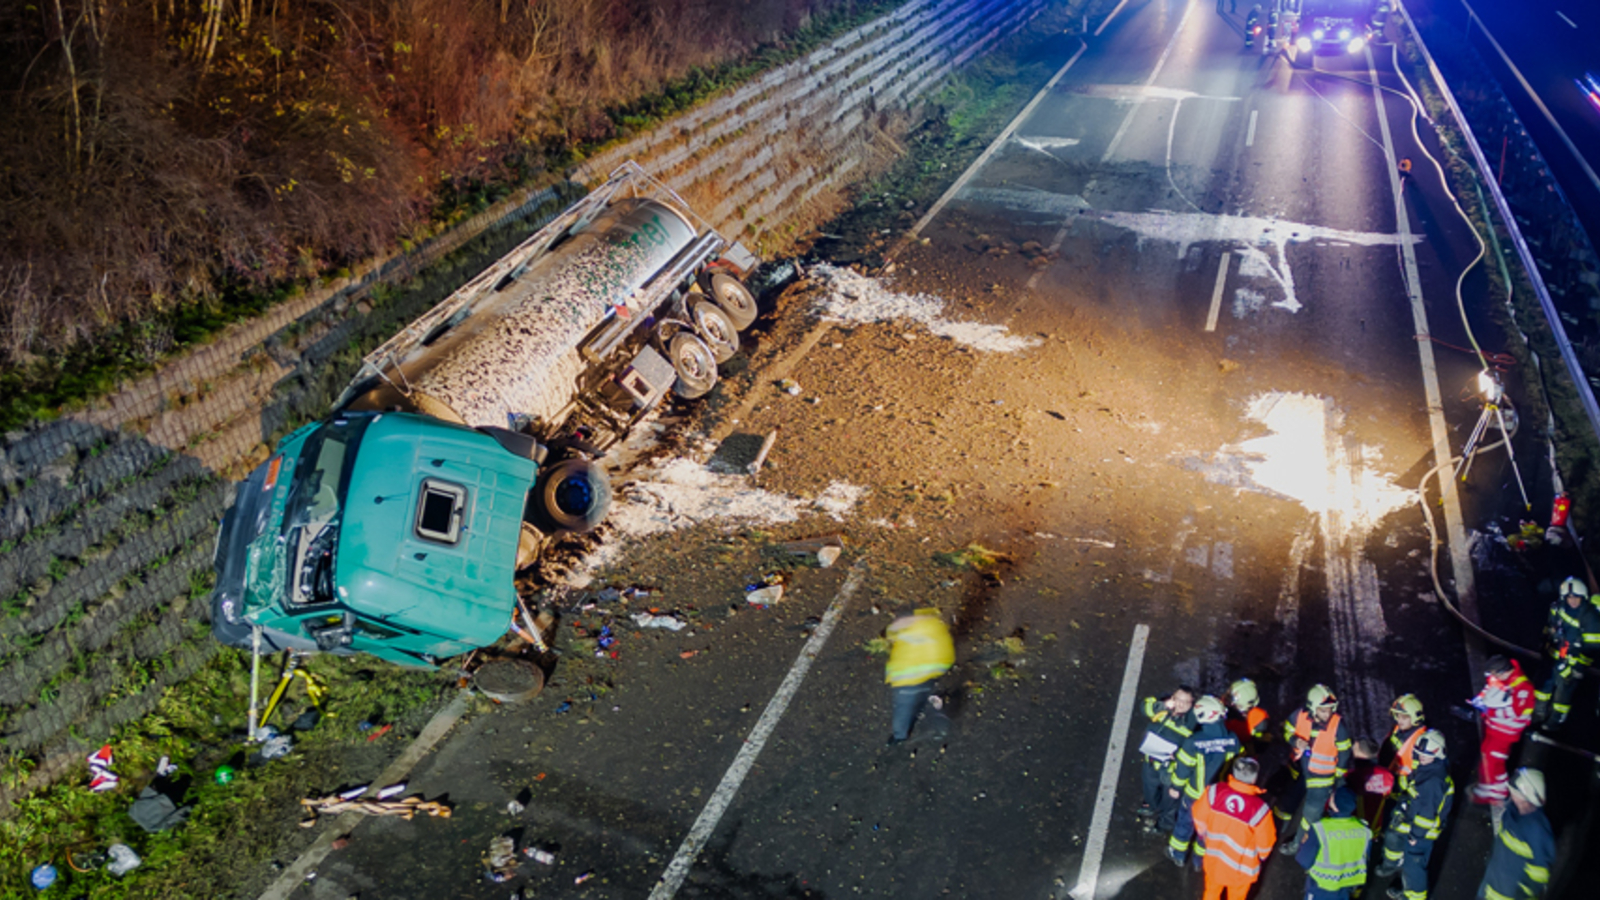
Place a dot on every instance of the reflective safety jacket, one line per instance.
(1250, 728)
(1519, 865)
(1234, 832)
(1574, 633)
(1166, 728)
(1335, 853)
(1403, 746)
(1328, 757)
(920, 648)
(1422, 811)
(1201, 756)
(1507, 706)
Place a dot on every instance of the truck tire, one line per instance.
(715, 328)
(734, 298)
(575, 495)
(695, 364)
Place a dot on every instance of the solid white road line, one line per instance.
(1110, 17)
(700, 832)
(1116, 139)
(1250, 135)
(1094, 850)
(1216, 293)
(998, 143)
(1455, 532)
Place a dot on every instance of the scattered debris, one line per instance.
(823, 550)
(766, 447)
(223, 775)
(514, 808)
(155, 811)
(123, 860)
(764, 596)
(584, 877)
(165, 768)
(273, 744)
(646, 620)
(501, 859)
(405, 809)
(101, 778)
(789, 386)
(392, 790)
(543, 857)
(379, 733)
(43, 876)
(688, 654)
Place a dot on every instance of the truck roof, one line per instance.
(395, 566)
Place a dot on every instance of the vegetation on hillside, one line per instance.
(167, 166)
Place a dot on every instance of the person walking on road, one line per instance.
(1197, 765)
(1524, 845)
(1573, 633)
(1334, 854)
(1506, 706)
(1172, 720)
(1246, 719)
(1234, 833)
(1400, 748)
(1417, 821)
(1319, 747)
(920, 650)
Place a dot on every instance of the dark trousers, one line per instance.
(908, 702)
(1300, 807)
(1313, 892)
(1153, 779)
(1412, 860)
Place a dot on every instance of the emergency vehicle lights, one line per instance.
(1344, 34)
(1355, 45)
(1304, 44)
(1318, 34)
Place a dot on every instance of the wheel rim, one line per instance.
(717, 331)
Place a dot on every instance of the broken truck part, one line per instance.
(396, 525)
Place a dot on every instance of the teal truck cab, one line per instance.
(396, 525)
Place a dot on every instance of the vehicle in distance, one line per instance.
(1333, 26)
(396, 525)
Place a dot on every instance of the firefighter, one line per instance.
(1171, 721)
(1252, 26)
(1335, 852)
(1405, 169)
(1399, 749)
(1506, 707)
(920, 650)
(1319, 747)
(1246, 719)
(1524, 846)
(1196, 766)
(1417, 821)
(1572, 633)
(1233, 832)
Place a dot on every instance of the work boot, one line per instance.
(1395, 892)
(1288, 848)
(1145, 811)
(1385, 869)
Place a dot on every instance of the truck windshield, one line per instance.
(311, 516)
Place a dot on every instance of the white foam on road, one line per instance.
(855, 298)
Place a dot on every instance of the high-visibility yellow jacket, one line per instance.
(920, 648)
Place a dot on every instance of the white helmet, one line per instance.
(1574, 586)
(1244, 694)
(1209, 709)
(1431, 745)
(1530, 784)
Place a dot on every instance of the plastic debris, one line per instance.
(564, 706)
(101, 778)
(43, 876)
(543, 857)
(273, 744)
(392, 790)
(123, 860)
(405, 809)
(514, 808)
(223, 775)
(584, 877)
(646, 620)
(501, 859)
(165, 768)
(789, 386)
(155, 811)
(764, 596)
(354, 792)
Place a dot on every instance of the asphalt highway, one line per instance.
(1246, 333)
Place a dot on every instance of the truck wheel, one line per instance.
(734, 298)
(695, 364)
(575, 495)
(716, 329)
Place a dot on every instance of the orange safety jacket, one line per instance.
(1404, 762)
(1236, 833)
(1328, 753)
(1252, 727)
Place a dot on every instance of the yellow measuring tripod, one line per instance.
(315, 689)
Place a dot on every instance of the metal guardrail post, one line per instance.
(1580, 381)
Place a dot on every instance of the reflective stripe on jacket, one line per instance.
(1404, 761)
(1508, 706)
(1342, 846)
(1519, 864)
(1235, 832)
(1423, 814)
(920, 648)
(1329, 753)
(1201, 756)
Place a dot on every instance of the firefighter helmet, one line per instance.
(1430, 745)
(1408, 705)
(1244, 694)
(1530, 784)
(1574, 586)
(1209, 709)
(1320, 696)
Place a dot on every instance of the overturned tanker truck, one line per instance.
(396, 525)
